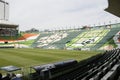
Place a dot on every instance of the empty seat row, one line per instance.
(96, 69)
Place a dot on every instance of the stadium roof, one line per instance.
(114, 7)
(7, 24)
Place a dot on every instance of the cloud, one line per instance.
(51, 14)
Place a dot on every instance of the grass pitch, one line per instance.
(32, 57)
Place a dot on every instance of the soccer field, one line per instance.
(31, 57)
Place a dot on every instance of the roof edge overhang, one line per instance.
(8, 24)
(113, 7)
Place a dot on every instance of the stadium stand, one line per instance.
(105, 66)
(92, 39)
(56, 40)
(52, 39)
(35, 43)
(61, 43)
(114, 29)
(88, 39)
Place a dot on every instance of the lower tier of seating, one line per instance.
(104, 66)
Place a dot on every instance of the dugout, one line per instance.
(11, 70)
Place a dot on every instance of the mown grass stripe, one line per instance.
(30, 57)
(17, 59)
(4, 62)
(38, 56)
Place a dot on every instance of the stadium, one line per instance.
(85, 53)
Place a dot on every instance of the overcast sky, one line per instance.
(58, 14)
